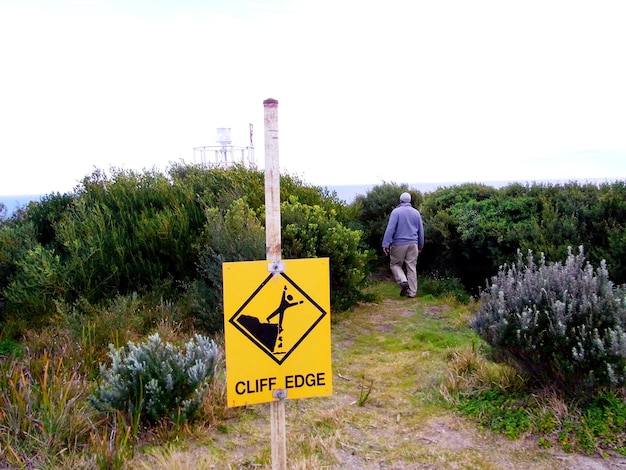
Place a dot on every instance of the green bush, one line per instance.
(307, 232)
(127, 233)
(144, 232)
(39, 281)
(219, 187)
(443, 287)
(16, 239)
(563, 323)
(313, 232)
(456, 244)
(236, 235)
(472, 229)
(10, 347)
(155, 380)
(46, 213)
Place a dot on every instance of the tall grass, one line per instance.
(44, 414)
(45, 418)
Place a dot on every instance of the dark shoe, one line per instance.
(411, 296)
(404, 290)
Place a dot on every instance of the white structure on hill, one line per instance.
(224, 153)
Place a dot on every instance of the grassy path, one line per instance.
(386, 412)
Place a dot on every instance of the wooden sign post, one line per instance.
(276, 317)
(273, 255)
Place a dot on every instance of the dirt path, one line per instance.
(400, 425)
(397, 432)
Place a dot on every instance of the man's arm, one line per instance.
(389, 231)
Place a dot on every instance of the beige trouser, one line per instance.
(403, 257)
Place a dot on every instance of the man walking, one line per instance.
(403, 241)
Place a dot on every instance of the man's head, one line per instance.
(405, 197)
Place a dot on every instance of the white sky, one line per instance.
(403, 90)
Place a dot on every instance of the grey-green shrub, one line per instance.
(156, 379)
(563, 323)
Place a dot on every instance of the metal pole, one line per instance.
(273, 253)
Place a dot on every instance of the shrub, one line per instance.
(156, 380)
(46, 213)
(218, 187)
(128, 233)
(443, 287)
(236, 235)
(16, 239)
(562, 323)
(39, 280)
(312, 232)
(307, 232)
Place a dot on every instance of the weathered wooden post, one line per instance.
(273, 255)
(268, 361)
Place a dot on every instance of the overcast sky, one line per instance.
(405, 91)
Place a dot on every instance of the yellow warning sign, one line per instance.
(277, 330)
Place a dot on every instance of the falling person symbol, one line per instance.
(285, 303)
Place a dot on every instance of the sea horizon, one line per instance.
(13, 202)
(349, 192)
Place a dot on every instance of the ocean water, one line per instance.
(15, 202)
(348, 193)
